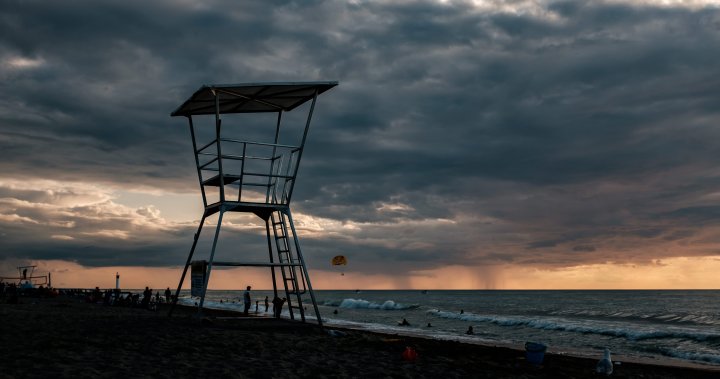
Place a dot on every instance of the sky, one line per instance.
(469, 144)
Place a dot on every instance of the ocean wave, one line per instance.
(686, 355)
(702, 319)
(388, 305)
(569, 326)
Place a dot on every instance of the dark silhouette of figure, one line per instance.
(95, 296)
(147, 295)
(24, 273)
(470, 331)
(12, 297)
(256, 305)
(267, 304)
(335, 312)
(277, 306)
(404, 322)
(167, 295)
(429, 325)
(247, 300)
(462, 311)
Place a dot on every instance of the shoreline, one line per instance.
(70, 338)
(589, 354)
(551, 350)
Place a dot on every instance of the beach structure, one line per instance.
(242, 168)
(27, 278)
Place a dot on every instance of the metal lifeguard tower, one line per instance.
(258, 176)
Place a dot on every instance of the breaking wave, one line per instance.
(578, 327)
(388, 305)
(677, 318)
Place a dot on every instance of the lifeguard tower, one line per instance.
(243, 168)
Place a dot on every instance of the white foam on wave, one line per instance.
(225, 306)
(388, 305)
(703, 319)
(579, 327)
(701, 357)
(410, 331)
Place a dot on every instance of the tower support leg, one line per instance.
(210, 261)
(187, 264)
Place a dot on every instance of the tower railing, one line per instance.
(261, 172)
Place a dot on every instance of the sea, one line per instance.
(667, 326)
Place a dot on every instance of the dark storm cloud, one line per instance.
(578, 134)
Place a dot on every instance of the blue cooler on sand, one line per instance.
(535, 352)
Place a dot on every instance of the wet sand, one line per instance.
(68, 338)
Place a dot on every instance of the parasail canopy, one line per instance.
(339, 260)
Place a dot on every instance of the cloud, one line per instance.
(547, 134)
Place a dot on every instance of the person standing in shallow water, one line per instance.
(247, 300)
(277, 306)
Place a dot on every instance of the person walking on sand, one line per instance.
(247, 300)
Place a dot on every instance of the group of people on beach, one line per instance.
(277, 303)
(117, 297)
(11, 292)
(150, 301)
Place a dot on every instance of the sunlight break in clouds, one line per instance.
(22, 63)
(69, 218)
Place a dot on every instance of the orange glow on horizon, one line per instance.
(673, 273)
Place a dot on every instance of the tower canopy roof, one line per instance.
(251, 97)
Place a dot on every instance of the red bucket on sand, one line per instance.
(535, 352)
(409, 354)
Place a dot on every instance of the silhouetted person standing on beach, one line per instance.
(167, 295)
(147, 294)
(267, 304)
(247, 300)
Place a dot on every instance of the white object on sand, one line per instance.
(605, 365)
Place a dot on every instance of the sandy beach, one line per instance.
(66, 337)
